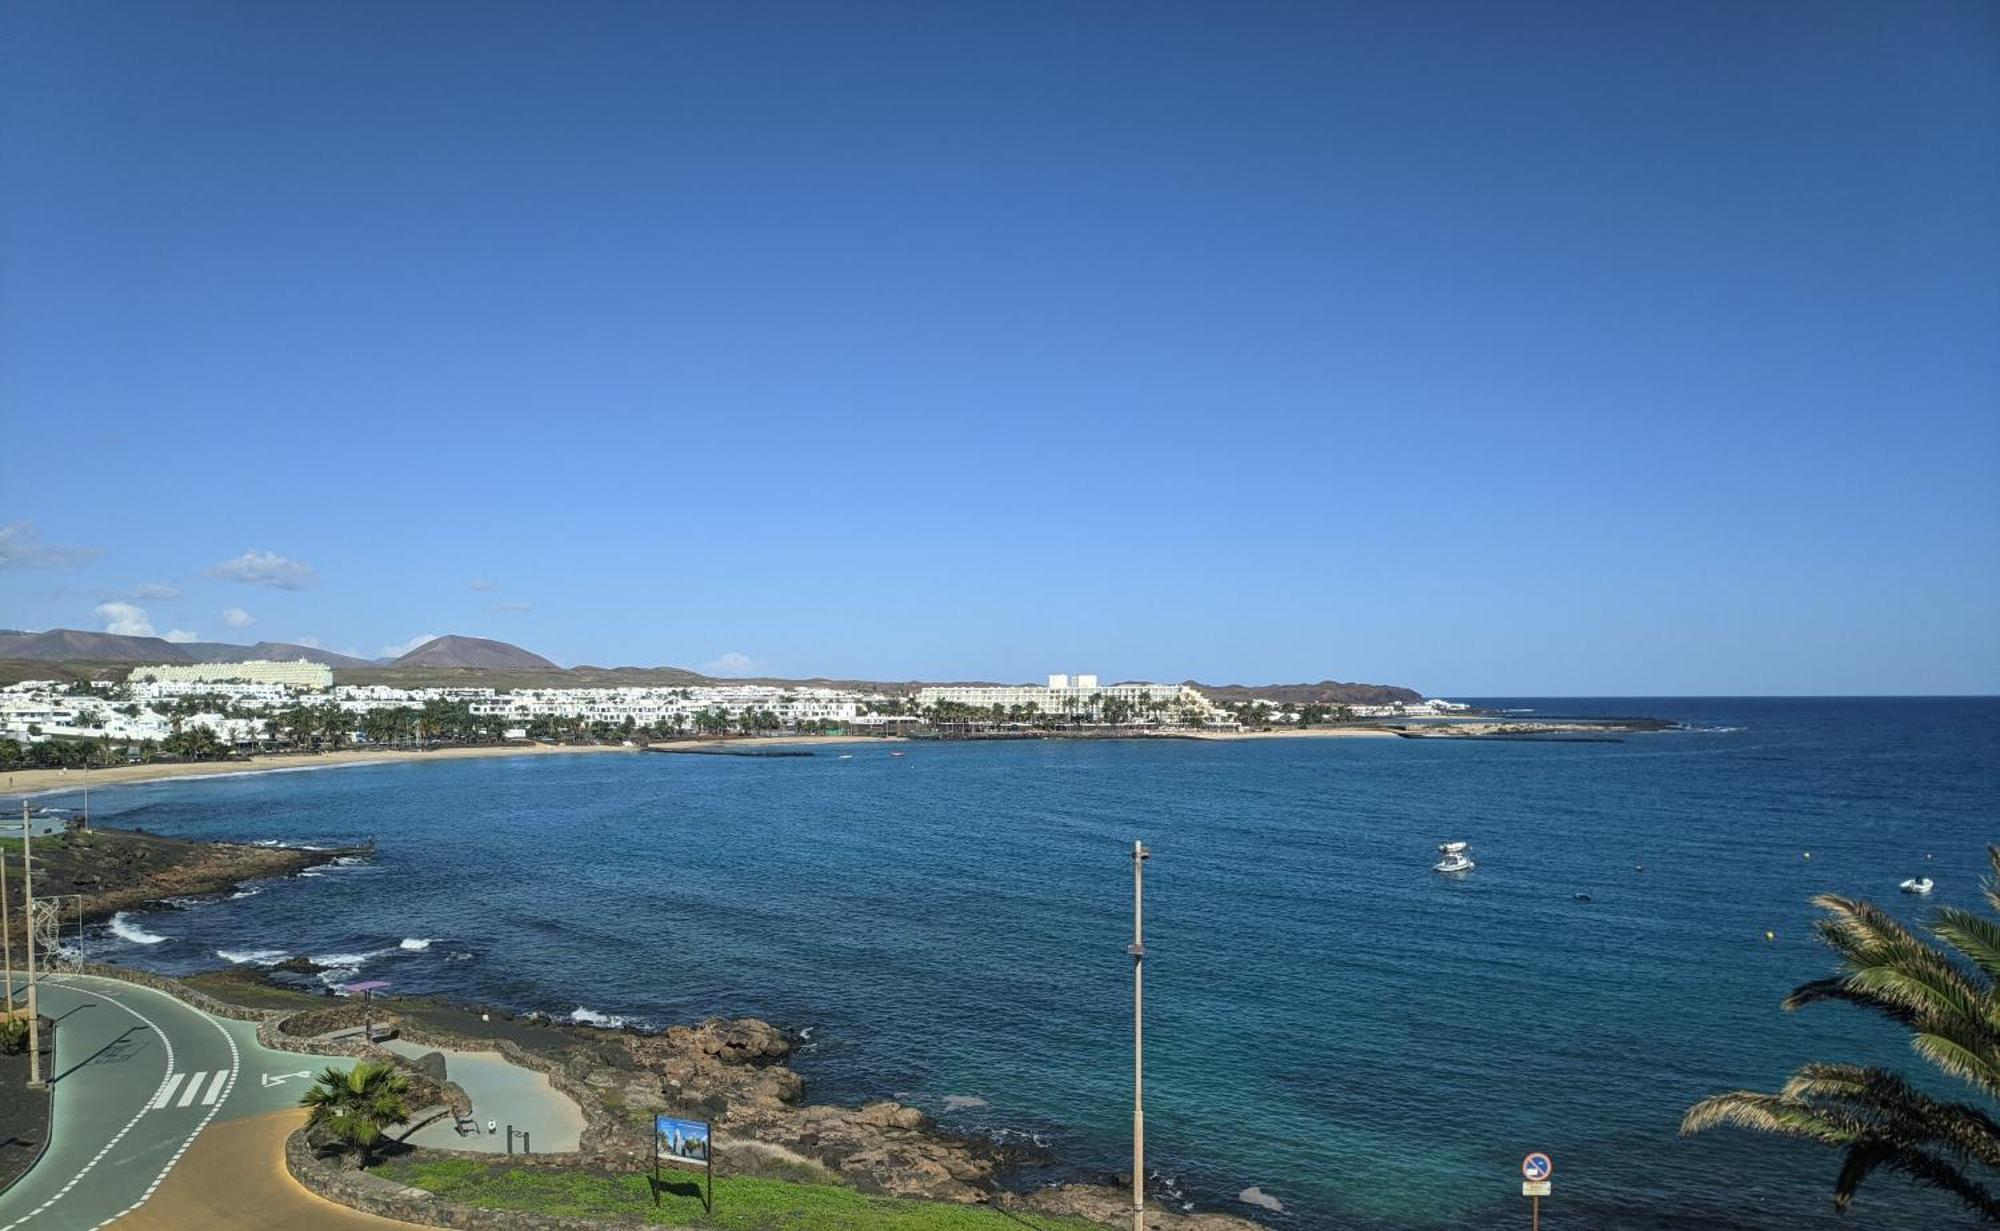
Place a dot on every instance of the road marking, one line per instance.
(229, 1083)
(279, 1079)
(193, 1089)
(214, 1088)
(118, 1136)
(167, 1089)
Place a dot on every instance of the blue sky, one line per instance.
(1491, 349)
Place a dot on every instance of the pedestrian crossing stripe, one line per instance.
(192, 1091)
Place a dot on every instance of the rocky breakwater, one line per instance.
(125, 869)
(732, 1072)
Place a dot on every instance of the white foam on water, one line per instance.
(415, 944)
(350, 961)
(258, 957)
(591, 1017)
(126, 930)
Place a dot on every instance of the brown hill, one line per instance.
(75, 645)
(473, 652)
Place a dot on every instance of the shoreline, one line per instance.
(25, 782)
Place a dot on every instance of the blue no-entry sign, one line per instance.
(1537, 1167)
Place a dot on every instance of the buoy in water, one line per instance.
(1808, 854)
(1770, 936)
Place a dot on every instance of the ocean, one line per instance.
(1374, 1044)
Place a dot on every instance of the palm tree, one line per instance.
(1879, 1118)
(355, 1105)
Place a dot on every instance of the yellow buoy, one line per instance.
(1770, 936)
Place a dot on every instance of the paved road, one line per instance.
(138, 1075)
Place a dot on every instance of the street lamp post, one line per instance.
(1138, 951)
(28, 909)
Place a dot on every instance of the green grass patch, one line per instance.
(740, 1204)
(250, 991)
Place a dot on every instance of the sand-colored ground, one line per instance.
(233, 1179)
(30, 781)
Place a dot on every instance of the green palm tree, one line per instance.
(1878, 1118)
(355, 1105)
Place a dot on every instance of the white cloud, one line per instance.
(397, 651)
(154, 590)
(481, 583)
(266, 568)
(125, 619)
(182, 634)
(236, 617)
(21, 547)
(733, 663)
(510, 607)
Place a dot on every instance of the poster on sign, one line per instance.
(681, 1141)
(687, 1142)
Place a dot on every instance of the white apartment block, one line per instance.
(297, 674)
(1066, 694)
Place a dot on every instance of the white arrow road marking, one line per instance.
(279, 1079)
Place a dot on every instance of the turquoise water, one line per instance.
(1372, 1043)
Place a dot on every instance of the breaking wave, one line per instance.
(415, 944)
(256, 957)
(591, 1017)
(126, 930)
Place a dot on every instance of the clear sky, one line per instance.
(1486, 348)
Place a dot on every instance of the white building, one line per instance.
(297, 674)
(1065, 694)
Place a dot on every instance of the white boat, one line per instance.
(1917, 884)
(1454, 860)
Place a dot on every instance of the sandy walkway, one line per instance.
(233, 1179)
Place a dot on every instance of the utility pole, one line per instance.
(1138, 951)
(7, 935)
(28, 909)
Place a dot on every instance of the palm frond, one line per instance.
(1978, 939)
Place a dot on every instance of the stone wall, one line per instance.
(180, 991)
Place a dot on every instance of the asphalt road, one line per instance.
(138, 1076)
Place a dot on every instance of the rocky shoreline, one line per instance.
(734, 1072)
(115, 870)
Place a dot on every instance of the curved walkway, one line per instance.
(234, 1179)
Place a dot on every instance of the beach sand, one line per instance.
(32, 781)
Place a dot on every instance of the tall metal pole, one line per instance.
(28, 909)
(1138, 951)
(7, 935)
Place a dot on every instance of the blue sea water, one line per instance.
(1328, 1019)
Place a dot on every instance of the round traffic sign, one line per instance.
(1537, 1166)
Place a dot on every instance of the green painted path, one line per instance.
(138, 1075)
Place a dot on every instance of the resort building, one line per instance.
(298, 674)
(1077, 694)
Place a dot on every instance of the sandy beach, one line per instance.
(35, 781)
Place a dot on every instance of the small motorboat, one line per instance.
(1580, 897)
(1455, 859)
(895, 754)
(847, 756)
(1917, 884)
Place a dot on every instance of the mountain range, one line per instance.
(479, 661)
